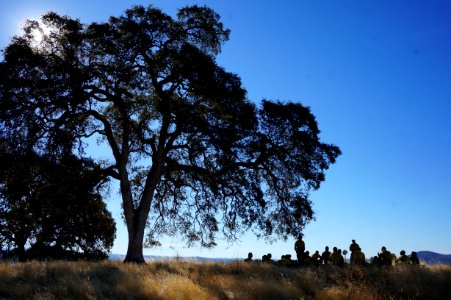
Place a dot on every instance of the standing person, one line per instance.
(386, 257)
(341, 260)
(306, 259)
(358, 258)
(414, 258)
(299, 247)
(353, 248)
(325, 256)
(335, 257)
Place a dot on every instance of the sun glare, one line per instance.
(39, 33)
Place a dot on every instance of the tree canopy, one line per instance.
(53, 210)
(192, 154)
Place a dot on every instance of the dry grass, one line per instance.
(189, 280)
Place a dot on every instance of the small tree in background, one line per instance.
(53, 210)
(191, 153)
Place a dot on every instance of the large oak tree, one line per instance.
(191, 153)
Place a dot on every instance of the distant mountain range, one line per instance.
(428, 257)
(434, 258)
(190, 258)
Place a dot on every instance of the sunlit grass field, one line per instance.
(235, 280)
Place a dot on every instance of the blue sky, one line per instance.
(377, 75)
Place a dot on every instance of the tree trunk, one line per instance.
(135, 244)
(21, 253)
(136, 218)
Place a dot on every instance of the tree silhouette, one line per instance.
(53, 210)
(192, 154)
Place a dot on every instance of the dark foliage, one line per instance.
(190, 151)
(52, 210)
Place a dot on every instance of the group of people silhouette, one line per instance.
(384, 258)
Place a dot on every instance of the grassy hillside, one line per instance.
(237, 280)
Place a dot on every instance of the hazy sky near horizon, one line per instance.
(376, 74)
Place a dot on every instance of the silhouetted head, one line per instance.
(269, 255)
(327, 248)
(339, 250)
(335, 249)
(414, 254)
(353, 241)
(250, 255)
(402, 252)
(384, 249)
